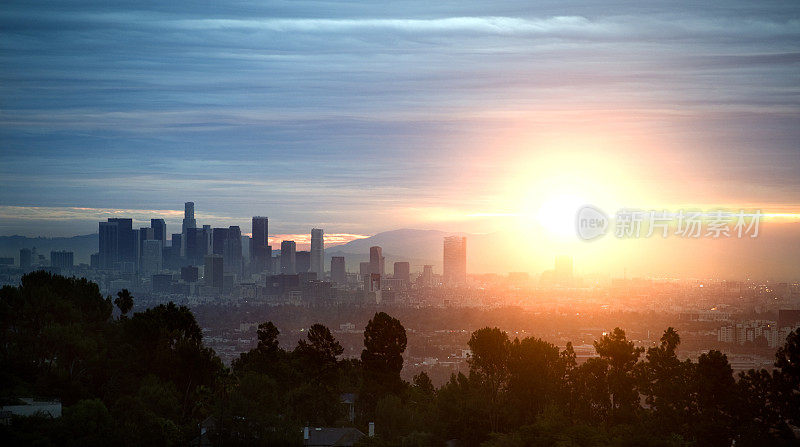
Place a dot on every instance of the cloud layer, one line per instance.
(340, 114)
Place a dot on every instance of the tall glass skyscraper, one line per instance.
(259, 243)
(317, 253)
(188, 222)
(455, 260)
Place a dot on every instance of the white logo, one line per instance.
(590, 223)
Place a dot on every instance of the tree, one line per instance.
(787, 359)
(535, 374)
(489, 362)
(124, 301)
(665, 382)
(382, 358)
(714, 386)
(267, 337)
(621, 356)
(321, 347)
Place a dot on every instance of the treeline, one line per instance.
(146, 379)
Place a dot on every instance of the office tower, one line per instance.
(259, 243)
(427, 275)
(218, 238)
(402, 270)
(317, 252)
(374, 286)
(563, 269)
(145, 234)
(159, 231)
(302, 261)
(208, 239)
(190, 273)
(455, 260)
(175, 247)
(127, 240)
(188, 222)
(62, 259)
(247, 245)
(193, 245)
(376, 260)
(25, 258)
(288, 259)
(151, 257)
(108, 236)
(338, 273)
(364, 269)
(233, 250)
(214, 271)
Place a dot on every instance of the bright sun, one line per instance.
(557, 213)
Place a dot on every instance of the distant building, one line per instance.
(233, 250)
(6, 261)
(190, 273)
(188, 222)
(402, 270)
(159, 231)
(427, 275)
(376, 260)
(259, 243)
(108, 236)
(62, 259)
(338, 272)
(213, 271)
(364, 269)
(282, 284)
(219, 236)
(288, 258)
(161, 283)
(302, 261)
(127, 240)
(151, 257)
(454, 269)
(317, 252)
(788, 318)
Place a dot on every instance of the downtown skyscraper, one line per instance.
(288, 257)
(455, 260)
(188, 222)
(376, 260)
(259, 245)
(317, 252)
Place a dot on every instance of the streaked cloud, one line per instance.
(352, 115)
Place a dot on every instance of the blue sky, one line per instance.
(354, 116)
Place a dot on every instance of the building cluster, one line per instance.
(767, 332)
(203, 263)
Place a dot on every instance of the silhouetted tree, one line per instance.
(124, 301)
(787, 360)
(489, 362)
(621, 356)
(382, 358)
(666, 383)
(714, 385)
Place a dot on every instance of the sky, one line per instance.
(361, 117)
